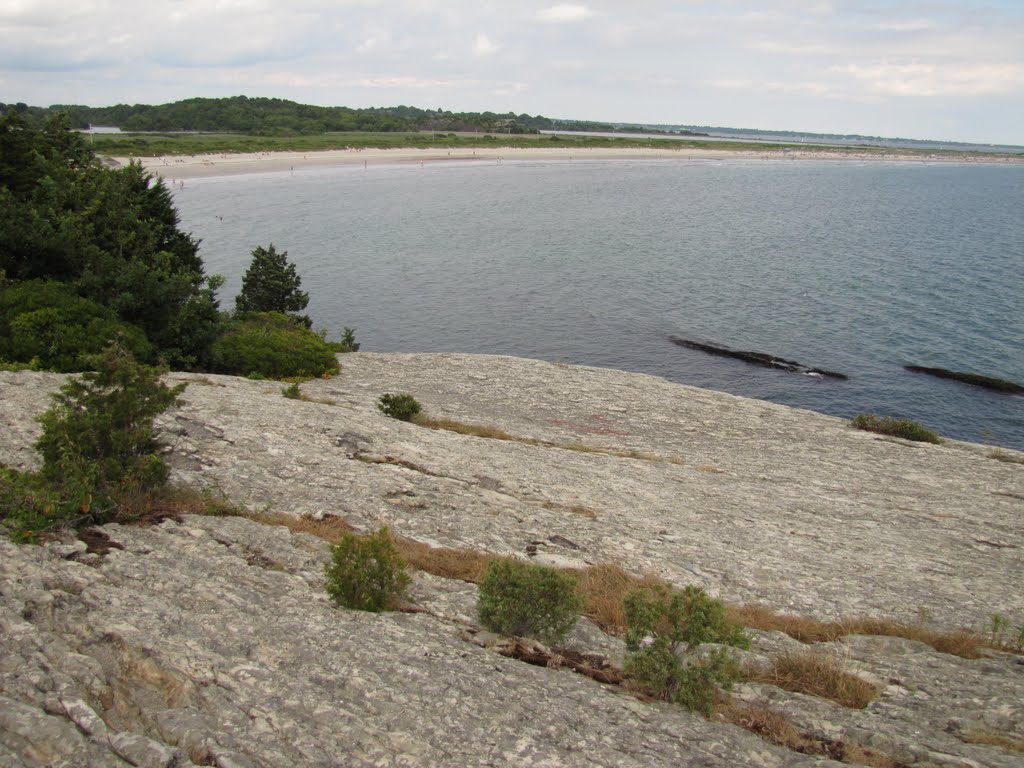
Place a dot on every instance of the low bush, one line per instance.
(49, 323)
(367, 574)
(527, 600)
(292, 391)
(908, 429)
(348, 341)
(402, 407)
(273, 346)
(662, 625)
(99, 449)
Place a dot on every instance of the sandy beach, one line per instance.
(180, 167)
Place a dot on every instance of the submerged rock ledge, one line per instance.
(211, 641)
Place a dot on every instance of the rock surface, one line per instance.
(212, 642)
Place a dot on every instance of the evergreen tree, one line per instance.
(271, 284)
(111, 235)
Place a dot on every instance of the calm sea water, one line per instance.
(858, 268)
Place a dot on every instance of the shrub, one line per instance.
(348, 341)
(908, 429)
(272, 345)
(98, 447)
(661, 626)
(367, 573)
(527, 600)
(48, 322)
(402, 407)
(292, 391)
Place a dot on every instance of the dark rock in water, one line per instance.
(997, 385)
(757, 358)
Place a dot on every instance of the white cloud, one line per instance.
(931, 79)
(659, 60)
(909, 25)
(484, 46)
(564, 13)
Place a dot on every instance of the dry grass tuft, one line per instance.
(966, 645)
(963, 644)
(710, 469)
(476, 430)
(449, 562)
(496, 433)
(817, 674)
(773, 726)
(1010, 458)
(603, 588)
(767, 723)
(992, 739)
(573, 509)
(329, 528)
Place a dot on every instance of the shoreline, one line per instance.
(183, 167)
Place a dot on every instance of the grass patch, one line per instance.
(603, 588)
(908, 429)
(817, 674)
(496, 433)
(775, 728)
(966, 645)
(991, 739)
(462, 428)
(1009, 458)
(572, 509)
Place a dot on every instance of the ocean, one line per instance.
(849, 266)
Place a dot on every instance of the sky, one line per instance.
(950, 70)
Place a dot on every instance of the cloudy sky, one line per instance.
(937, 69)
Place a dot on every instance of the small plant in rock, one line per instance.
(908, 429)
(664, 625)
(99, 450)
(348, 341)
(368, 573)
(292, 391)
(402, 407)
(527, 600)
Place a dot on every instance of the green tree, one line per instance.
(111, 234)
(271, 284)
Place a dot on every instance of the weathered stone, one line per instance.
(213, 640)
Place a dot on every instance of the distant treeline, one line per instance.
(279, 117)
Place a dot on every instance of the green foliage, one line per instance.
(527, 600)
(662, 626)
(47, 322)
(271, 284)
(367, 574)
(348, 341)
(292, 391)
(98, 448)
(402, 406)
(273, 346)
(111, 234)
(999, 625)
(908, 429)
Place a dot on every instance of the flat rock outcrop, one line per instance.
(211, 641)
